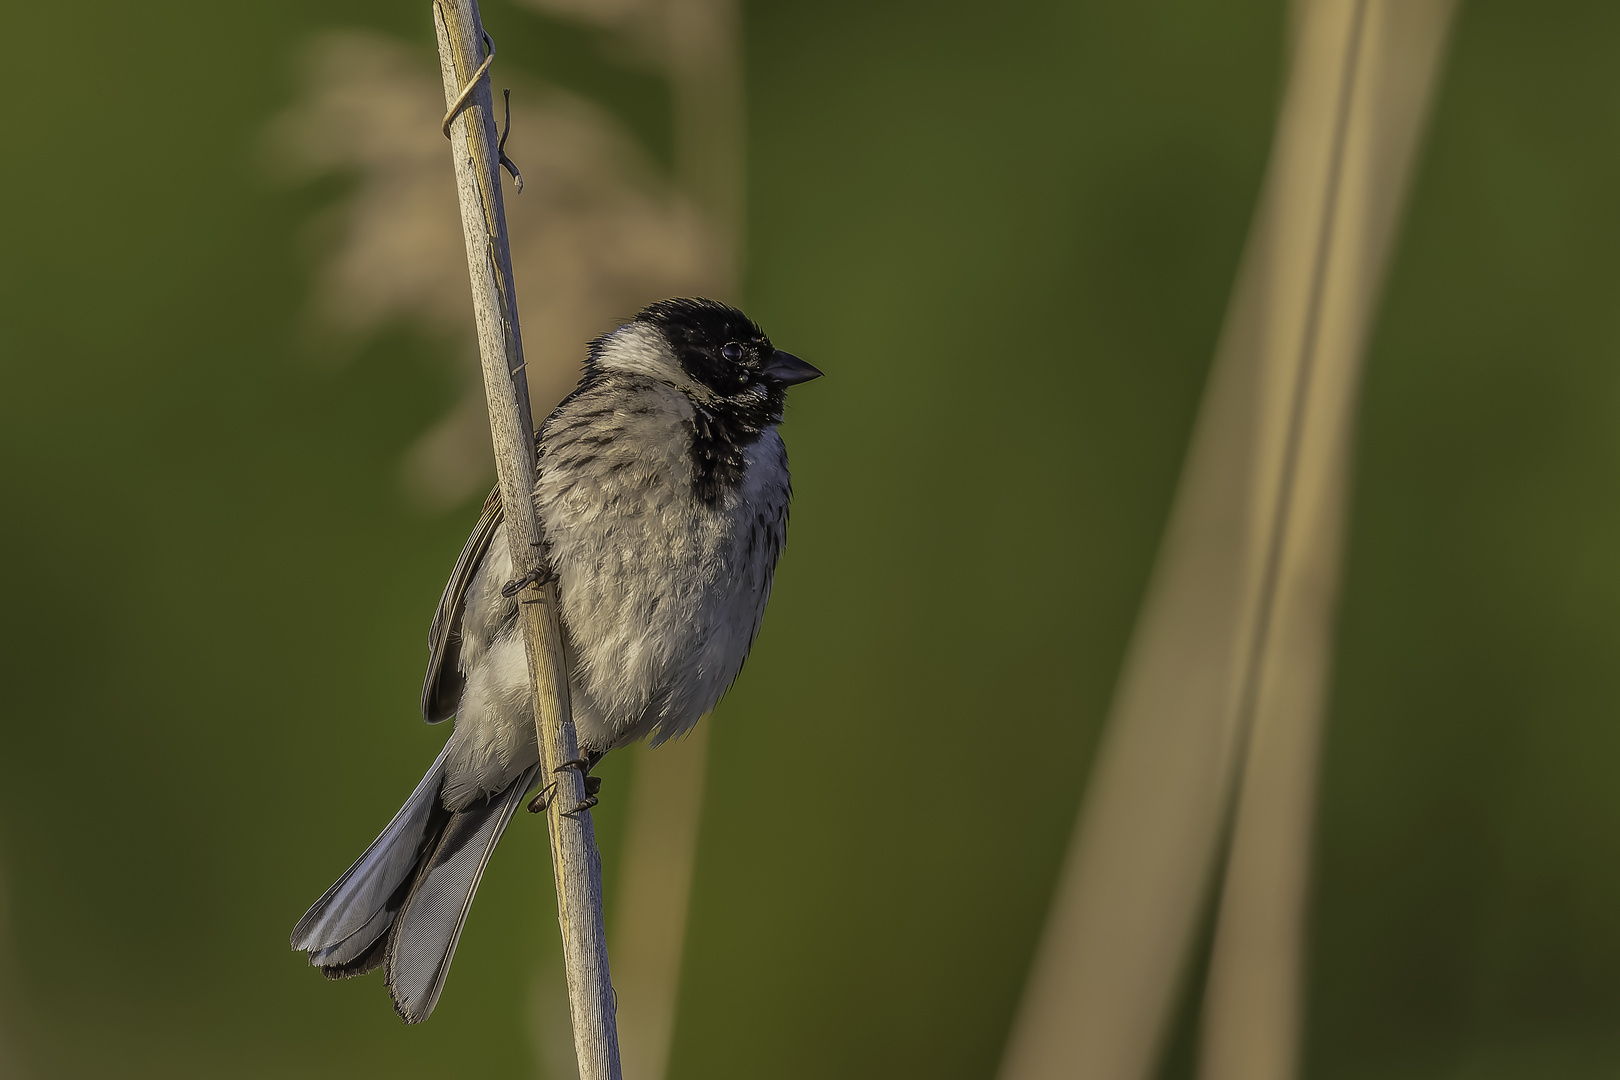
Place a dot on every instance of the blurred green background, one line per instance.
(1007, 233)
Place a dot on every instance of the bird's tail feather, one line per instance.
(356, 911)
(362, 951)
(425, 932)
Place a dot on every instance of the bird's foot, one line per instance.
(542, 798)
(540, 575)
(585, 804)
(586, 761)
(593, 784)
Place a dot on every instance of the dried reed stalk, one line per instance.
(1382, 72)
(1230, 658)
(575, 861)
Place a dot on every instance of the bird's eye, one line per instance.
(732, 351)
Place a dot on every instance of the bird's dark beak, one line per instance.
(787, 369)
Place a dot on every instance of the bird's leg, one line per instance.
(540, 575)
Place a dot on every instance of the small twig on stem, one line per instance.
(470, 123)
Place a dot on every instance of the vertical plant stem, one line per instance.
(1225, 677)
(575, 861)
(1373, 63)
(653, 894)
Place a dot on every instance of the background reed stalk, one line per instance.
(1224, 682)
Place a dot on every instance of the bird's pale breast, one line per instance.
(661, 593)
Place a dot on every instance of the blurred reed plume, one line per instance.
(598, 232)
(697, 44)
(1218, 712)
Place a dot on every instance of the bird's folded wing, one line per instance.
(441, 691)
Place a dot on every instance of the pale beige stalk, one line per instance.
(1254, 998)
(651, 899)
(575, 861)
(1230, 658)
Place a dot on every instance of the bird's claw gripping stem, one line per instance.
(593, 784)
(540, 575)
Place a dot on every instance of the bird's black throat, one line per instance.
(739, 405)
(721, 433)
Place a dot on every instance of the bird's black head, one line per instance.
(724, 351)
(728, 369)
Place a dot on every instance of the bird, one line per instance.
(662, 494)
